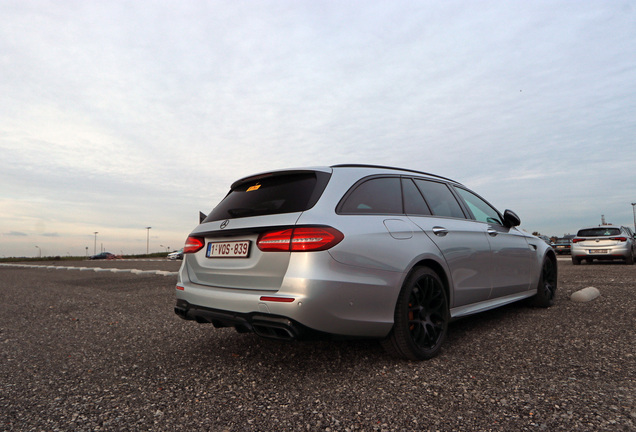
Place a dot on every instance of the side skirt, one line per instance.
(462, 311)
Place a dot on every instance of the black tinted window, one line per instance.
(440, 199)
(270, 195)
(375, 196)
(598, 232)
(414, 203)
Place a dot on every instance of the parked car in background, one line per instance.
(103, 255)
(562, 246)
(604, 243)
(545, 238)
(358, 251)
(176, 255)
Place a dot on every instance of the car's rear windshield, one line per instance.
(274, 194)
(598, 232)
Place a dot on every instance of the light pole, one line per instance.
(634, 210)
(148, 240)
(40, 251)
(95, 246)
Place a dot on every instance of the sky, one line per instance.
(121, 115)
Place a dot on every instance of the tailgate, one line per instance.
(231, 259)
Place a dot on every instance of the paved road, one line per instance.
(86, 350)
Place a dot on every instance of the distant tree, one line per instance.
(536, 233)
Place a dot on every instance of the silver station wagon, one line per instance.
(358, 251)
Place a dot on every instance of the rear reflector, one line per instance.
(278, 299)
(193, 244)
(180, 288)
(304, 239)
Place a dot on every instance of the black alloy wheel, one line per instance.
(421, 317)
(547, 287)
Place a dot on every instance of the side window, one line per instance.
(375, 196)
(482, 211)
(414, 203)
(440, 199)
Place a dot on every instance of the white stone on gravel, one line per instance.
(585, 295)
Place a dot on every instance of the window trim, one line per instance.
(450, 185)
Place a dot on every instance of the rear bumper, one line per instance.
(323, 297)
(268, 326)
(613, 252)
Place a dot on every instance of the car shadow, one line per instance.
(247, 349)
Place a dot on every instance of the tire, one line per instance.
(421, 317)
(576, 261)
(548, 282)
(630, 259)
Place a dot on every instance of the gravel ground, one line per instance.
(83, 350)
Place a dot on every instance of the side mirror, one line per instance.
(511, 219)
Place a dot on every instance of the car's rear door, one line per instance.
(462, 241)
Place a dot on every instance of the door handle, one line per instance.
(492, 232)
(440, 231)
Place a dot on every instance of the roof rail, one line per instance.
(392, 168)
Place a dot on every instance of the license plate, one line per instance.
(228, 249)
(599, 251)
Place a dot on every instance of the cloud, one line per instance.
(15, 234)
(117, 115)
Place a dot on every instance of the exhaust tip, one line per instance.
(275, 328)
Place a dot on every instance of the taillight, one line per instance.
(304, 239)
(275, 241)
(620, 239)
(576, 240)
(278, 299)
(315, 239)
(193, 244)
